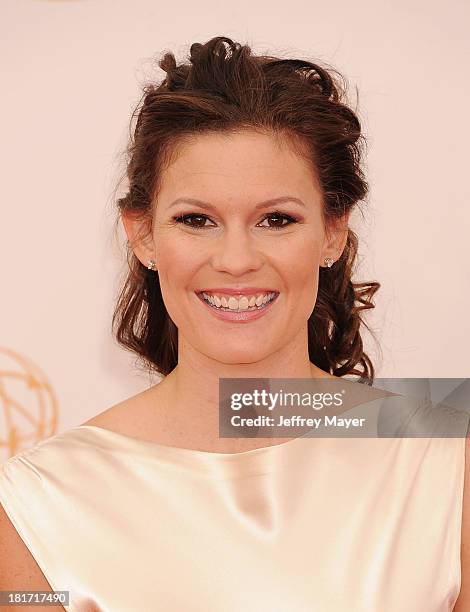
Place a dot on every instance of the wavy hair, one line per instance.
(224, 88)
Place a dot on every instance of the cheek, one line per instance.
(176, 262)
(299, 261)
(300, 269)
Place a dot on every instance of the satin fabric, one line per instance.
(312, 524)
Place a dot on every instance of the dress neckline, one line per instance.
(214, 465)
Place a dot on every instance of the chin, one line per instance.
(237, 355)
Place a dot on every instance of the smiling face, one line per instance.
(236, 237)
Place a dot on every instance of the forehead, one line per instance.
(218, 164)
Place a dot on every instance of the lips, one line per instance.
(237, 290)
(238, 316)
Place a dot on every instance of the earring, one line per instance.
(329, 262)
(151, 265)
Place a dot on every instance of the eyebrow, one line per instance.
(263, 204)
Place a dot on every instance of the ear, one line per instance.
(336, 237)
(139, 233)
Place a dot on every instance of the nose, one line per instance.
(236, 252)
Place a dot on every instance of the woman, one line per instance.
(243, 172)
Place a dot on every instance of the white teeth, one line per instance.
(242, 304)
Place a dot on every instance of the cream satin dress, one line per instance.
(308, 525)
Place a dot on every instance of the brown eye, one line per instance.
(184, 219)
(278, 220)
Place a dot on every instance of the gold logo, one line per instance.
(28, 405)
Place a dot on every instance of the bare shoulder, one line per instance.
(135, 416)
(18, 568)
(463, 600)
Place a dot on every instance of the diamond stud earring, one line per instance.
(328, 262)
(151, 265)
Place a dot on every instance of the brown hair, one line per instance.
(225, 88)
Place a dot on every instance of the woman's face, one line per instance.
(238, 240)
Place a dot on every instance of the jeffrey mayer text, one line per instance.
(327, 421)
(297, 421)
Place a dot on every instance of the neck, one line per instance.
(191, 392)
